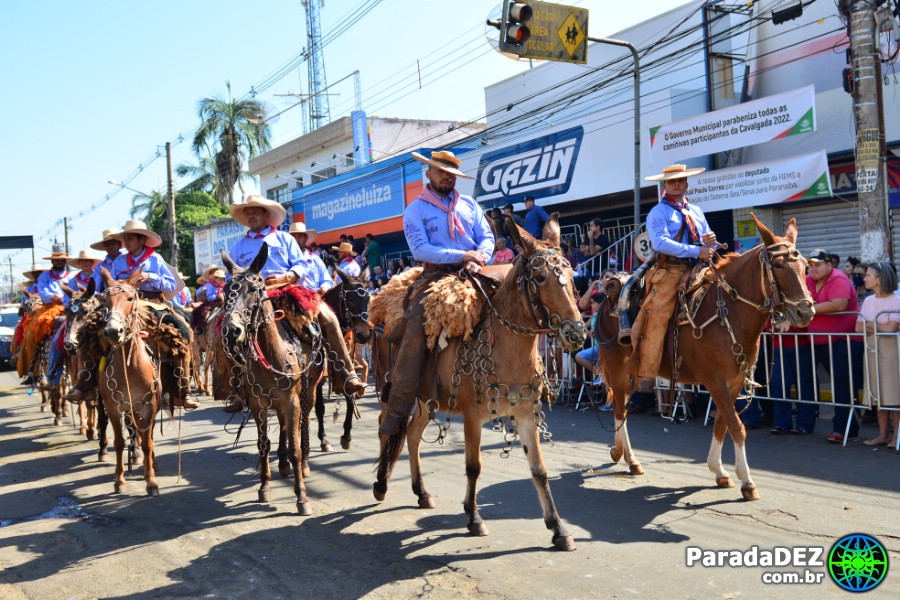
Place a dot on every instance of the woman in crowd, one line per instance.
(883, 389)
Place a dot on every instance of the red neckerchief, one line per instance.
(56, 277)
(83, 279)
(263, 233)
(685, 210)
(134, 262)
(218, 286)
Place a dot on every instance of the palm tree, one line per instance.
(148, 208)
(203, 178)
(229, 130)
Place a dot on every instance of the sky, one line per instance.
(93, 89)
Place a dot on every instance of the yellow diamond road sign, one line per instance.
(571, 34)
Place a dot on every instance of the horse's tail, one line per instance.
(390, 452)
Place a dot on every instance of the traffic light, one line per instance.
(514, 31)
(847, 77)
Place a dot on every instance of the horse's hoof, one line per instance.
(346, 443)
(284, 470)
(43, 407)
(478, 529)
(82, 431)
(304, 509)
(326, 447)
(426, 501)
(304, 470)
(379, 490)
(119, 488)
(615, 454)
(564, 543)
(636, 469)
(57, 421)
(137, 459)
(103, 457)
(265, 496)
(749, 492)
(153, 491)
(91, 434)
(724, 482)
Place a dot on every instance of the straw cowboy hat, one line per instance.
(138, 228)
(275, 210)
(675, 172)
(443, 160)
(56, 255)
(300, 227)
(84, 254)
(344, 247)
(35, 271)
(107, 235)
(207, 273)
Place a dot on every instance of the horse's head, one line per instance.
(786, 273)
(350, 302)
(244, 298)
(120, 300)
(80, 305)
(545, 277)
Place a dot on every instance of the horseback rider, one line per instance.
(86, 265)
(446, 231)
(285, 265)
(32, 276)
(680, 236)
(345, 254)
(113, 248)
(316, 273)
(49, 283)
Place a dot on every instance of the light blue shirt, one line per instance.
(428, 236)
(107, 264)
(31, 289)
(284, 253)
(182, 298)
(209, 293)
(664, 222)
(160, 277)
(49, 286)
(316, 277)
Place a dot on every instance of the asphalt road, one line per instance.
(65, 534)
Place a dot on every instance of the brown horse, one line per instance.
(719, 344)
(129, 386)
(498, 375)
(81, 303)
(271, 368)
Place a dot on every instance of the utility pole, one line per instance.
(12, 287)
(66, 228)
(170, 195)
(871, 176)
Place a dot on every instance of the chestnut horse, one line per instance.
(129, 386)
(271, 368)
(498, 374)
(349, 300)
(81, 303)
(719, 344)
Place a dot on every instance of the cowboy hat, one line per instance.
(138, 228)
(206, 274)
(344, 247)
(34, 272)
(275, 210)
(675, 172)
(443, 160)
(84, 254)
(300, 227)
(107, 235)
(218, 273)
(57, 255)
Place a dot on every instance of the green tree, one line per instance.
(146, 207)
(203, 178)
(192, 209)
(230, 130)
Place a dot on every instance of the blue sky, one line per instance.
(93, 88)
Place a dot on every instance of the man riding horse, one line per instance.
(447, 232)
(680, 236)
(285, 265)
(113, 248)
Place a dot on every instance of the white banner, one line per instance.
(747, 124)
(798, 178)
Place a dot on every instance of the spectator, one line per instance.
(883, 389)
(535, 217)
(372, 252)
(378, 277)
(588, 357)
(852, 261)
(405, 264)
(790, 351)
(508, 212)
(597, 240)
(593, 288)
(502, 255)
(858, 277)
(832, 292)
(835, 260)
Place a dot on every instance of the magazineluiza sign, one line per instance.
(747, 124)
(797, 178)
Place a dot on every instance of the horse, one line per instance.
(81, 303)
(497, 372)
(271, 368)
(749, 289)
(130, 385)
(349, 300)
(203, 350)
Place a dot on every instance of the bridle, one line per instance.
(117, 316)
(346, 310)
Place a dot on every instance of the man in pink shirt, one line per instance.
(832, 293)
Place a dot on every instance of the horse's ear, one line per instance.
(107, 278)
(764, 232)
(260, 261)
(91, 288)
(226, 260)
(551, 230)
(516, 232)
(345, 279)
(790, 231)
(135, 278)
(493, 224)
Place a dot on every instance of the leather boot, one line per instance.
(345, 379)
(74, 395)
(236, 405)
(187, 403)
(407, 373)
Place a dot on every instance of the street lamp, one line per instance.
(125, 187)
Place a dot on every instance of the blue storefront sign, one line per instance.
(356, 202)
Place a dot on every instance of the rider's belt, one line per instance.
(442, 268)
(664, 260)
(149, 295)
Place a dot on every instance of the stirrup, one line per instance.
(625, 336)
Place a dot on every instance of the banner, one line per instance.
(355, 202)
(13, 242)
(797, 178)
(747, 124)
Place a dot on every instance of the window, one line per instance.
(281, 194)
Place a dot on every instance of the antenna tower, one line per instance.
(319, 110)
